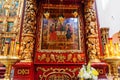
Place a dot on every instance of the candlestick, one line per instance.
(111, 50)
(17, 48)
(114, 58)
(12, 47)
(106, 50)
(6, 48)
(116, 49)
(4, 25)
(16, 21)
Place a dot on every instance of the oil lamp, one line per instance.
(61, 18)
(75, 13)
(46, 14)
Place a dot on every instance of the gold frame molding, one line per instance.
(80, 32)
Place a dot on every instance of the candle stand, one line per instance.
(113, 68)
(9, 54)
(112, 57)
(8, 61)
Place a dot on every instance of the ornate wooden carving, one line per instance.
(91, 28)
(57, 73)
(28, 32)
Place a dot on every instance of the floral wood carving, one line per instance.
(57, 73)
(28, 32)
(60, 58)
(91, 31)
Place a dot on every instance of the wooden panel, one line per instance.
(63, 2)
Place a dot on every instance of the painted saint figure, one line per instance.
(53, 34)
(68, 32)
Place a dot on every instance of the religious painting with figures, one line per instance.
(58, 35)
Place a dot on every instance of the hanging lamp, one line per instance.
(61, 17)
(75, 13)
(46, 13)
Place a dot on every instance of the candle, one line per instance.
(111, 47)
(6, 48)
(12, 47)
(15, 22)
(4, 25)
(106, 50)
(17, 48)
(117, 49)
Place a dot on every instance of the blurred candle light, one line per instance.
(17, 48)
(116, 49)
(47, 14)
(12, 47)
(111, 51)
(75, 14)
(107, 51)
(6, 48)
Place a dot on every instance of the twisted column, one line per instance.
(91, 29)
(28, 31)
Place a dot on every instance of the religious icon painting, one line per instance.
(60, 36)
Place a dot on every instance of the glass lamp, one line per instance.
(47, 14)
(75, 13)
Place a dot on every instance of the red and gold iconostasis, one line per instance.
(60, 44)
(60, 47)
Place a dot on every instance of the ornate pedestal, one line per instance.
(24, 71)
(57, 66)
(113, 68)
(102, 68)
(8, 61)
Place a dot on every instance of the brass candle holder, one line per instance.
(10, 35)
(114, 63)
(112, 57)
(9, 55)
(8, 61)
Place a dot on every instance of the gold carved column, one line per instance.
(91, 29)
(28, 31)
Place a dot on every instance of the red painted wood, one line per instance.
(24, 71)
